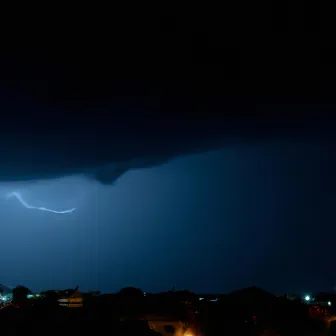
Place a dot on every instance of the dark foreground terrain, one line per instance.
(130, 312)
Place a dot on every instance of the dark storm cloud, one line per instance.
(145, 89)
(41, 142)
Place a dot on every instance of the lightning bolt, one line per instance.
(19, 197)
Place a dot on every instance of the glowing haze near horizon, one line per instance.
(213, 222)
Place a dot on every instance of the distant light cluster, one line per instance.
(19, 197)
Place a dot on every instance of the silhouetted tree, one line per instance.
(131, 292)
(20, 294)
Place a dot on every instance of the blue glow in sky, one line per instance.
(241, 216)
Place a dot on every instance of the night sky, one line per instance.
(260, 214)
(224, 137)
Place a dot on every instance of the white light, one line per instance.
(307, 298)
(188, 333)
(19, 197)
(329, 303)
